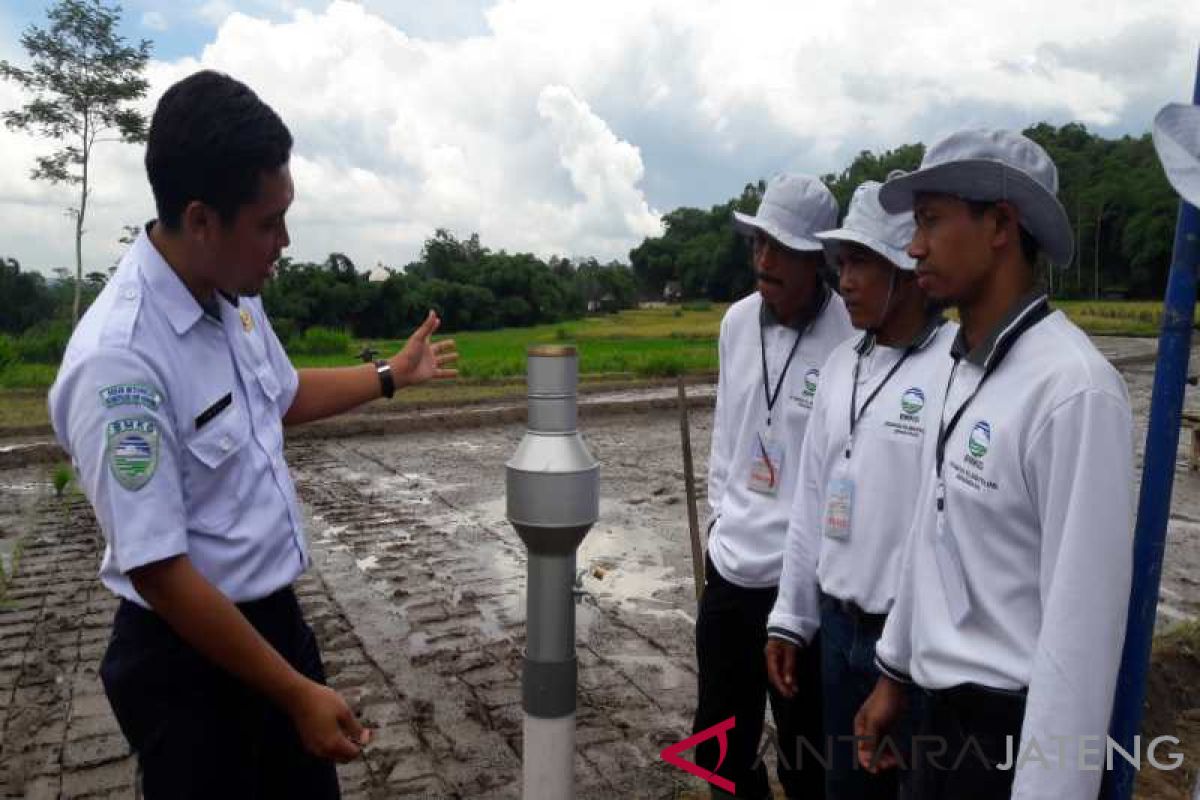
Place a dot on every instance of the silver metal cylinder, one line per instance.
(553, 499)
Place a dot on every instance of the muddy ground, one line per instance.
(417, 597)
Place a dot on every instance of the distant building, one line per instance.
(605, 305)
(673, 291)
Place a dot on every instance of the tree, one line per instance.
(83, 76)
(27, 299)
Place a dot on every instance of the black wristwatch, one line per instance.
(384, 370)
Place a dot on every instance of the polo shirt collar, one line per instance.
(917, 343)
(982, 353)
(801, 320)
(172, 295)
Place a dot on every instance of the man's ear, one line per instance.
(1007, 221)
(199, 222)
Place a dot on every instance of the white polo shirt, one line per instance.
(896, 402)
(173, 419)
(748, 526)
(1038, 481)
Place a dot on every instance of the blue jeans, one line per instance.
(848, 677)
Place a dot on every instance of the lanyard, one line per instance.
(854, 418)
(770, 396)
(1040, 311)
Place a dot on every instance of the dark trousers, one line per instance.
(848, 675)
(962, 734)
(199, 732)
(731, 636)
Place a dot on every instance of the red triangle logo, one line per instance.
(671, 754)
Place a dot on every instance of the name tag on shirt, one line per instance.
(950, 566)
(766, 464)
(839, 505)
(207, 415)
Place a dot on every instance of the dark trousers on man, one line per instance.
(731, 636)
(198, 732)
(962, 733)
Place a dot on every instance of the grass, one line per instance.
(644, 342)
(20, 408)
(27, 376)
(61, 478)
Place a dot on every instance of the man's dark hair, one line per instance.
(210, 140)
(1029, 245)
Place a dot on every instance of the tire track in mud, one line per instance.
(453, 587)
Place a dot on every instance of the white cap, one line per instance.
(991, 166)
(1177, 140)
(868, 224)
(793, 209)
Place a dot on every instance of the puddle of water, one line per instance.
(629, 561)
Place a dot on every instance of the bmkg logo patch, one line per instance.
(810, 382)
(912, 401)
(981, 439)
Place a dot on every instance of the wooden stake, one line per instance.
(689, 480)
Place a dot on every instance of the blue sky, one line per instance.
(570, 128)
(182, 28)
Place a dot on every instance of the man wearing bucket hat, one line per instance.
(1010, 610)
(859, 472)
(1177, 140)
(772, 346)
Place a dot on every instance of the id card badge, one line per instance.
(766, 464)
(949, 561)
(839, 505)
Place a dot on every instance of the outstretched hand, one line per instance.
(423, 360)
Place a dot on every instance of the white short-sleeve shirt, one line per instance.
(173, 418)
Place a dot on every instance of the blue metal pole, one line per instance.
(1158, 477)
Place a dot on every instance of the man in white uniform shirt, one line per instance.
(860, 468)
(1010, 613)
(772, 346)
(171, 399)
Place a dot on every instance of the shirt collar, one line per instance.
(802, 319)
(981, 354)
(176, 301)
(919, 342)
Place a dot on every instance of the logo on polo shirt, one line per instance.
(810, 382)
(912, 401)
(805, 398)
(980, 440)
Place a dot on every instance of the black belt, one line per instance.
(257, 612)
(852, 610)
(980, 698)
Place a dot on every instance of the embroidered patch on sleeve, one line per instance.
(133, 451)
(130, 394)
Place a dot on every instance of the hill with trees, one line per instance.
(1120, 205)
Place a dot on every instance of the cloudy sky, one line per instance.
(570, 128)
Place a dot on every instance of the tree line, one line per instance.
(1114, 191)
(470, 286)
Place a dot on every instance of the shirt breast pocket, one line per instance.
(214, 485)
